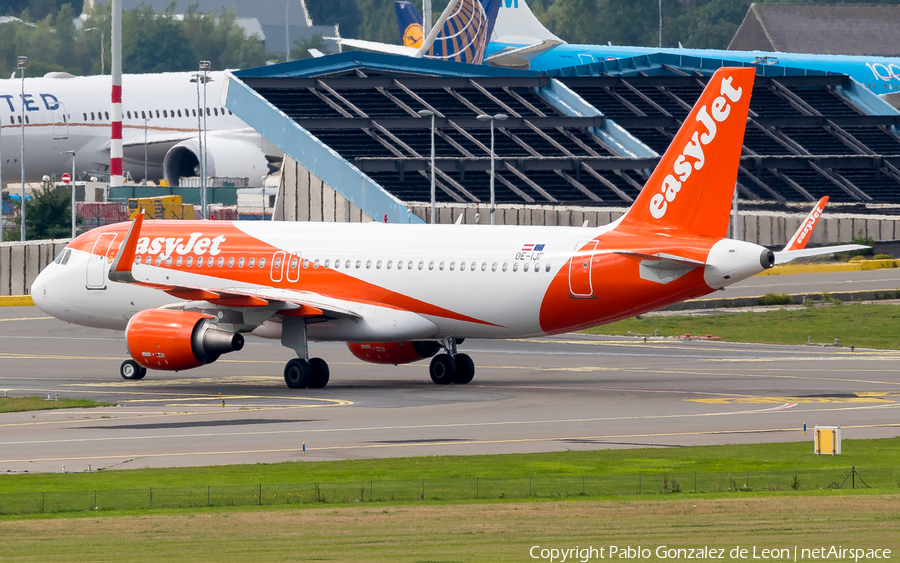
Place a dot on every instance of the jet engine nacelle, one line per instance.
(393, 352)
(225, 157)
(175, 340)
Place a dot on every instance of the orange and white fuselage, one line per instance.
(404, 282)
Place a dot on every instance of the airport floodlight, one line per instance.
(21, 62)
(492, 118)
(429, 113)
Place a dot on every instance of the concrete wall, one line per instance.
(304, 197)
(21, 262)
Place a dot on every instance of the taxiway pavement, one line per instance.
(567, 392)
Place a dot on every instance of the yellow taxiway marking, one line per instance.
(26, 319)
(314, 449)
(860, 398)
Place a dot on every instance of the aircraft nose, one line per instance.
(44, 290)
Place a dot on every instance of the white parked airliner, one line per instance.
(160, 113)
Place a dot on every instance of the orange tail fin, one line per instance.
(694, 182)
(804, 233)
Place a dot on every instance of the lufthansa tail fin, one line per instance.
(693, 185)
(410, 23)
(462, 32)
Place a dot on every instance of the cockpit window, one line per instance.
(63, 258)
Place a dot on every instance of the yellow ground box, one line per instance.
(827, 440)
(163, 207)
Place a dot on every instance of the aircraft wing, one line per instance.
(269, 301)
(376, 46)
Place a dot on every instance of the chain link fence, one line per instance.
(558, 487)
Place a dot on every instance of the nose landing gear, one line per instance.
(451, 367)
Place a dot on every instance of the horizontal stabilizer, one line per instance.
(376, 46)
(786, 256)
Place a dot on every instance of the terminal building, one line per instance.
(576, 144)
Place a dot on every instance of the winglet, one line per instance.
(803, 234)
(120, 270)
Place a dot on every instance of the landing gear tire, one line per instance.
(465, 369)
(297, 373)
(320, 373)
(443, 369)
(132, 371)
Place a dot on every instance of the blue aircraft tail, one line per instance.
(410, 23)
(461, 34)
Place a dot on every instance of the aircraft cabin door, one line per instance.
(586, 58)
(60, 120)
(277, 271)
(580, 283)
(98, 262)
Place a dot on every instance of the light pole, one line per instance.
(204, 66)
(22, 63)
(492, 118)
(102, 39)
(73, 189)
(429, 113)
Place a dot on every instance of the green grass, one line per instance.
(867, 455)
(21, 404)
(863, 326)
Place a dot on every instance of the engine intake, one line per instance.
(176, 340)
(394, 352)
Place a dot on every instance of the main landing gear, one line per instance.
(451, 366)
(131, 370)
(300, 373)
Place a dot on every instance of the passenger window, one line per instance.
(128, 113)
(165, 113)
(250, 263)
(315, 264)
(216, 112)
(347, 264)
(441, 266)
(241, 262)
(147, 261)
(421, 264)
(494, 267)
(525, 267)
(452, 266)
(221, 262)
(409, 265)
(358, 264)
(305, 264)
(157, 113)
(262, 262)
(106, 113)
(368, 264)
(92, 119)
(504, 266)
(84, 114)
(484, 266)
(327, 262)
(515, 266)
(169, 261)
(190, 261)
(143, 115)
(399, 264)
(431, 265)
(179, 113)
(378, 265)
(159, 260)
(462, 266)
(389, 263)
(178, 262)
(277, 263)
(547, 268)
(231, 262)
(472, 267)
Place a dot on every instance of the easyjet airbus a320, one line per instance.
(185, 292)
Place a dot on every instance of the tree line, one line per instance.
(151, 42)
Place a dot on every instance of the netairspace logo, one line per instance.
(795, 553)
